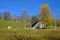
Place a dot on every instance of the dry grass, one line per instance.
(30, 34)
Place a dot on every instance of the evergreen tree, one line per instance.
(34, 19)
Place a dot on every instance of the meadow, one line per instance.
(30, 34)
(14, 24)
(19, 33)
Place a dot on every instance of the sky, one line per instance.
(32, 6)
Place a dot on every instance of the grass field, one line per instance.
(30, 34)
(19, 33)
(14, 24)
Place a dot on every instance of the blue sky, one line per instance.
(32, 6)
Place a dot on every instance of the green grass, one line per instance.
(30, 34)
(18, 25)
(19, 33)
(14, 24)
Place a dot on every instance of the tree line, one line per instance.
(44, 16)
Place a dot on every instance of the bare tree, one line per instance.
(18, 18)
(14, 17)
(0, 15)
(7, 15)
(24, 17)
